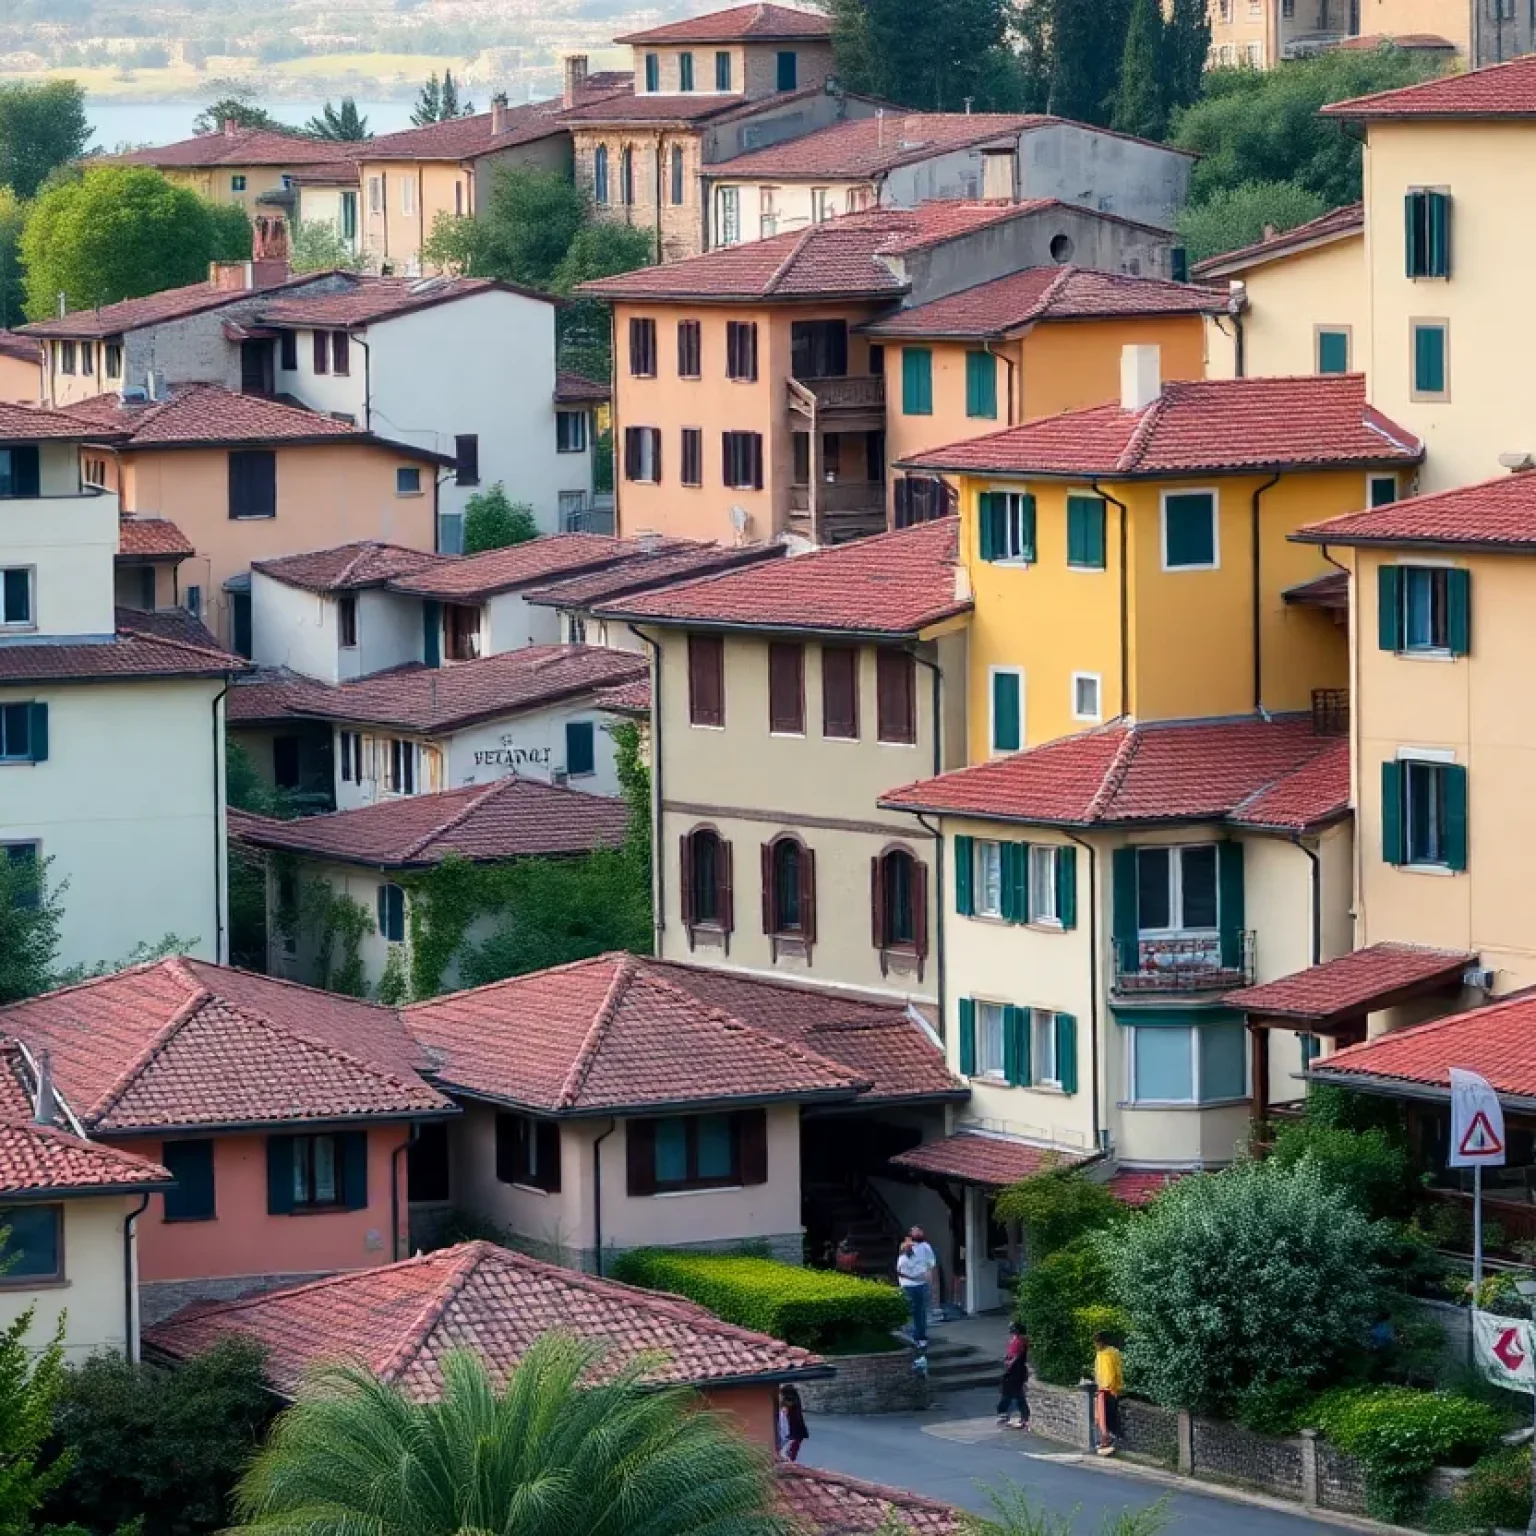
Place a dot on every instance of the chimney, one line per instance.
(498, 114)
(575, 77)
(231, 128)
(1141, 377)
(229, 276)
(152, 384)
(46, 1108)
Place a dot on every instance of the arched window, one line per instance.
(600, 174)
(627, 176)
(706, 880)
(789, 890)
(899, 901)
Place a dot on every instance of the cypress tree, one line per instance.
(1186, 45)
(1087, 41)
(1140, 107)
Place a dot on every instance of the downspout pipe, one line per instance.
(658, 852)
(220, 855)
(597, 1194)
(940, 968)
(1257, 596)
(1125, 597)
(130, 1290)
(1317, 898)
(1009, 364)
(1100, 1136)
(394, 1192)
(360, 341)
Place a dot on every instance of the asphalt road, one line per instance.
(953, 1453)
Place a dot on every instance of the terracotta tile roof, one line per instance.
(840, 258)
(177, 625)
(760, 23)
(1247, 771)
(573, 388)
(631, 698)
(642, 571)
(610, 1034)
(347, 567)
(400, 1320)
(1040, 294)
(519, 565)
(26, 349)
(373, 299)
(825, 1503)
(1500, 90)
(1140, 1186)
(892, 584)
(1353, 983)
(1337, 224)
(151, 538)
(336, 173)
(631, 106)
(1213, 426)
(1428, 42)
(431, 699)
(184, 1043)
(467, 138)
(39, 1159)
(1330, 591)
(144, 648)
(885, 1044)
(272, 693)
(240, 146)
(34, 423)
(510, 819)
(1497, 1040)
(1495, 514)
(991, 1162)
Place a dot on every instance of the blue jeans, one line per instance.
(917, 1300)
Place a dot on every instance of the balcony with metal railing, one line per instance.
(1184, 965)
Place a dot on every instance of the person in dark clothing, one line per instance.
(792, 1429)
(1012, 1400)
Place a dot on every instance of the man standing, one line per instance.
(912, 1273)
(924, 1250)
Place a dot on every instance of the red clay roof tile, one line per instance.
(572, 388)
(1498, 513)
(1499, 90)
(26, 349)
(1337, 224)
(1210, 426)
(146, 646)
(645, 570)
(518, 565)
(151, 538)
(400, 1320)
(971, 1157)
(467, 138)
(373, 299)
(1141, 1186)
(34, 423)
(239, 146)
(1352, 983)
(758, 23)
(346, 567)
(829, 1504)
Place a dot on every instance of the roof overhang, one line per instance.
(1352, 1015)
(942, 625)
(1367, 541)
(82, 1191)
(295, 1125)
(702, 1105)
(1221, 266)
(1225, 471)
(1401, 1088)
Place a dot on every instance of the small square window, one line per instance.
(1189, 531)
(34, 1244)
(408, 480)
(1382, 490)
(237, 183)
(570, 431)
(1332, 350)
(1006, 526)
(1086, 691)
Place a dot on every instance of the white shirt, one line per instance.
(924, 1251)
(911, 1268)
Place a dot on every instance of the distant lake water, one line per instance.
(165, 122)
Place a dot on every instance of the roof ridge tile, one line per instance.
(199, 999)
(624, 975)
(414, 1338)
(458, 818)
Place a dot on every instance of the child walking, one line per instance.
(1012, 1400)
(792, 1429)
(1109, 1378)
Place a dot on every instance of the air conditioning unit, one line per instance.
(1481, 977)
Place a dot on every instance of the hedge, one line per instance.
(815, 1308)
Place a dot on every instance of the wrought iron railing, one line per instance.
(1195, 963)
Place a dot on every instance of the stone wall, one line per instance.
(158, 1299)
(883, 1383)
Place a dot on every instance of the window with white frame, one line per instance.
(1042, 884)
(351, 744)
(407, 196)
(730, 216)
(16, 597)
(400, 766)
(1087, 703)
(1424, 818)
(1194, 1064)
(375, 194)
(1044, 1070)
(1189, 531)
(987, 877)
(991, 1025)
(821, 205)
(1176, 889)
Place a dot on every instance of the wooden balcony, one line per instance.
(844, 509)
(851, 403)
(1178, 966)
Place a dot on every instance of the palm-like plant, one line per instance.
(544, 1456)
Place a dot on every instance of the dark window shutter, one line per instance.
(756, 440)
(631, 452)
(967, 1037)
(1230, 902)
(580, 747)
(725, 888)
(466, 455)
(655, 453)
(190, 1163)
(768, 901)
(895, 697)
(37, 732)
(431, 633)
(877, 901)
(706, 680)
(808, 894)
(1124, 919)
(965, 901)
(279, 1175)
(1455, 816)
(352, 1154)
(341, 353)
(1389, 603)
(1066, 886)
(752, 1145)
(288, 345)
(840, 692)
(1392, 812)
(920, 908)
(1414, 252)
(322, 352)
(25, 471)
(1066, 1052)
(507, 1129)
(685, 875)
(786, 688)
(1439, 232)
(1015, 1044)
(1458, 596)
(640, 1156)
(985, 528)
(1027, 526)
(547, 1140)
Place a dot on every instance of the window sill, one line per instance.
(1087, 570)
(1177, 570)
(1166, 1104)
(786, 735)
(408, 495)
(1428, 653)
(1014, 562)
(17, 629)
(702, 1189)
(908, 745)
(1427, 869)
(42, 1283)
(320, 1210)
(253, 517)
(700, 725)
(529, 1189)
(188, 1221)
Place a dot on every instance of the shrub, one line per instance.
(1370, 1166)
(1056, 1208)
(1497, 1493)
(492, 520)
(1400, 1435)
(815, 1308)
(1063, 1301)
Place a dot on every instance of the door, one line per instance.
(255, 367)
(818, 349)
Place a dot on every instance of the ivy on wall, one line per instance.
(335, 924)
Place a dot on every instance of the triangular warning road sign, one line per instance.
(1480, 1140)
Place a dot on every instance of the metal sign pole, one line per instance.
(1477, 1234)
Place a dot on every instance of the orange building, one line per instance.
(21, 369)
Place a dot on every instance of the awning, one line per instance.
(1335, 997)
(988, 1162)
(1330, 592)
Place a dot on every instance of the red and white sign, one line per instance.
(1503, 1350)
(1477, 1122)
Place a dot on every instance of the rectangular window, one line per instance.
(580, 749)
(627, 176)
(1427, 234)
(253, 483)
(788, 69)
(706, 680)
(428, 1168)
(20, 471)
(818, 349)
(400, 767)
(767, 212)
(16, 597)
(987, 877)
(689, 350)
(991, 1034)
(321, 351)
(642, 454)
(407, 195)
(316, 1173)
(346, 621)
(685, 71)
(723, 70)
(693, 456)
(786, 689)
(461, 631)
(67, 353)
(822, 206)
(840, 692)
(466, 458)
(1431, 369)
(742, 460)
(1043, 884)
(730, 215)
(696, 1152)
(642, 349)
(600, 174)
(1006, 525)
(679, 178)
(570, 431)
(1007, 709)
(288, 351)
(1087, 696)
(341, 354)
(190, 1163)
(1424, 609)
(351, 744)
(113, 357)
(1189, 531)
(653, 72)
(391, 906)
(1044, 1070)
(1424, 813)
(741, 350)
(408, 480)
(1381, 490)
(34, 1247)
(349, 214)
(1176, 890)
(87, 358)
(528, 1152)
(916, 381)
(1332, 351)
(1204, 1064)
(981, 386)
(375, 194)
(1085, 533)
(895, 697)
(237, 183)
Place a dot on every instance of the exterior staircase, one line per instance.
(834, 1209)
(954, 1367)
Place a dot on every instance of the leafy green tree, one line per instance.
(13, 219)
(1063, 1300)
(529, 223)
(1235, 1284)
(159, 1446)
(316, 245)
(1087, 46)
(1232, 218)
(583, 326)
(41, 127)
(492, 520)
(237, 106)
(344, 123)
(229, 232)
(30, 1384)
(438, 102)
(546, 1455)
(1140, 106)
(31, 915)
(1056, 1208)
(117, 232)
(1186, 46)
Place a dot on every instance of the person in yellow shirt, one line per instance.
(1109, 1378)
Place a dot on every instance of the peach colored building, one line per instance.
(21, 369)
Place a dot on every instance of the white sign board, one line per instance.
(1477, 1122)
(1502, 1348)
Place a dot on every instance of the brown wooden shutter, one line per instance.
(640, 1156)
(756, 441)
(725, 459)
(322, 352)
(706, 680)
(725, 898)
(655, 453)
(786, 688)
(631, 451)
(895, 697)
(877, 902)
(768, 925)
(920, 908)
(840, 692)
(808, 895)
(341, 353)
(752, 1145)
(685, 874)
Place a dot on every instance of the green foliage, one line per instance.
(239, 107)
(437, 102)
(41, 128)
(634, 776)
(31, 914)
(1345, 1110)
(1400, 1435)
(394, 983)
(160, 1447)
(523, 235)
(230, 232)
(117, 232)
(30, 1385)
(316, 245)
(1236, 216)
(344, 124)
(1061, 1302)
(144, 952)
(1495, 1495)
(1370, 1167)
(1087, 50)
(1186, 46)
(492, 520)
(336, 925)
(1056, 1208)
(1014, 1515)
(13, 219)
(549, 1454)
(1235, 1281)
(246, 790)
(582, 326)
(814, 1308)
(1139, 104)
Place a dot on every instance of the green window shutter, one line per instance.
(1383, 490)
(1458, 592)
(1392, 812)
(1066, 1052)
(1015, 1063)
(1412, 223)
(1229, 902)
(37, 733)
(981, 385)
(965, 901)
(352, 1155)
(1429, 359)
(986, 525)
(1439, 210)
(1066, 886)
(967, 1037)
(1027, 526)
(279, 1175)
(1455, 816)
(1332, 352)
(1006, 724)
(1189, 536)
(1389, 607)
(431, 633)
(1015, 871)
(1123, 870)
(1085, 532)
(916, 381)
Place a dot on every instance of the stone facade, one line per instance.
(652, 206)
(883, 1383)
(159, 1299)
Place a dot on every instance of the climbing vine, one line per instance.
(444, 902)
(335, 924)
